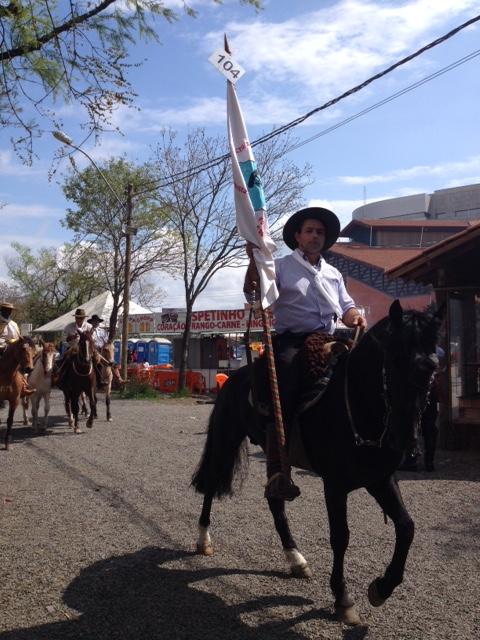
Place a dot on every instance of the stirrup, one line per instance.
(281, 487)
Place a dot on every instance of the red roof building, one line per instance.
(377, 246)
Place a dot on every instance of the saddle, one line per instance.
(318, 356)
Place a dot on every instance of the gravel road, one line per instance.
(98, 530)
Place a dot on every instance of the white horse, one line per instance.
(41, 380)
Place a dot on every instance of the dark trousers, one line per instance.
(286, 348)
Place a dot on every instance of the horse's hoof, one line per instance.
(109, 420)
(374, 596)
(89, 424)
(77, 430)
(205, 549)
(348, 615)
(301, 571)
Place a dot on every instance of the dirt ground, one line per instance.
(98, 531)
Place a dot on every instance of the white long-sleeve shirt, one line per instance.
(8, 331)
(71, 330)
(300, 307)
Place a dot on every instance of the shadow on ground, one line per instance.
(139, 597)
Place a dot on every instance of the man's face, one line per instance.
(5, 312)
(311, 237)
(79, 321)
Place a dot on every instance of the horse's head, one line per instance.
(410, 362)
(25, 352)
(85, 346)
(108, 351)
(48, 356)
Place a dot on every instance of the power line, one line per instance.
(376, 105)
(189, 173)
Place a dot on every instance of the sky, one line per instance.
(297, 56)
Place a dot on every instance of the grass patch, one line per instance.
(183, 393)
(136, 390)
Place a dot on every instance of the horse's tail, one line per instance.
(224, 456)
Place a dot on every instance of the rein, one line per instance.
(359, 441)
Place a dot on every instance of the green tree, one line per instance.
(53, 52)
(200, 207)
(99, 220)
(52, 281)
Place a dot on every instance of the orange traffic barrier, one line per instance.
(166, 380)
(220, 379)
(196, 382)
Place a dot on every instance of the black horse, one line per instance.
(77, 376)
(355, 437)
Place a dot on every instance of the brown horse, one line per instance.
(105, 358)
(78, 375)
(16, 360)
(107, 376)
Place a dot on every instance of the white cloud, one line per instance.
(441, 169)
(339, 44)
(16, 211)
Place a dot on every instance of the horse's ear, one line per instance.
(396, 314)
(41, 342)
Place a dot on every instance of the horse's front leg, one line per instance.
(390, 500)
(35, 404)
(83, 404)
(296, 562)
(68, 409)
(46, 410)
(74, 402)
(107, 403)
(25, 410)
(92, 400)
(12, 406)
(336, 502)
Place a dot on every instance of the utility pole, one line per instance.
(126, 288)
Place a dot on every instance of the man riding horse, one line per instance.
(312, 295)
(9, 333)
(100, 340)
(71, 335)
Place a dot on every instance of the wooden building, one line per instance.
(377, 245)
(452, 268)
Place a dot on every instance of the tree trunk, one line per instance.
(113, 317)
(182, 370)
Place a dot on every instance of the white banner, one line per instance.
(250, 203)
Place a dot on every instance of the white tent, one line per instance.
(101, 305)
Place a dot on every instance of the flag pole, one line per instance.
(279, 484)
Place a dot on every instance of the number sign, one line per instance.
(226, 65)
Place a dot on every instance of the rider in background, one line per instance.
(80, 325)
(70, 339)
(312, 295)
(99, 334)
(9, 333)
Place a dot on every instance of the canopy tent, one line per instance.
(101, 305)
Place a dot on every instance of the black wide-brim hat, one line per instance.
(294, 224)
